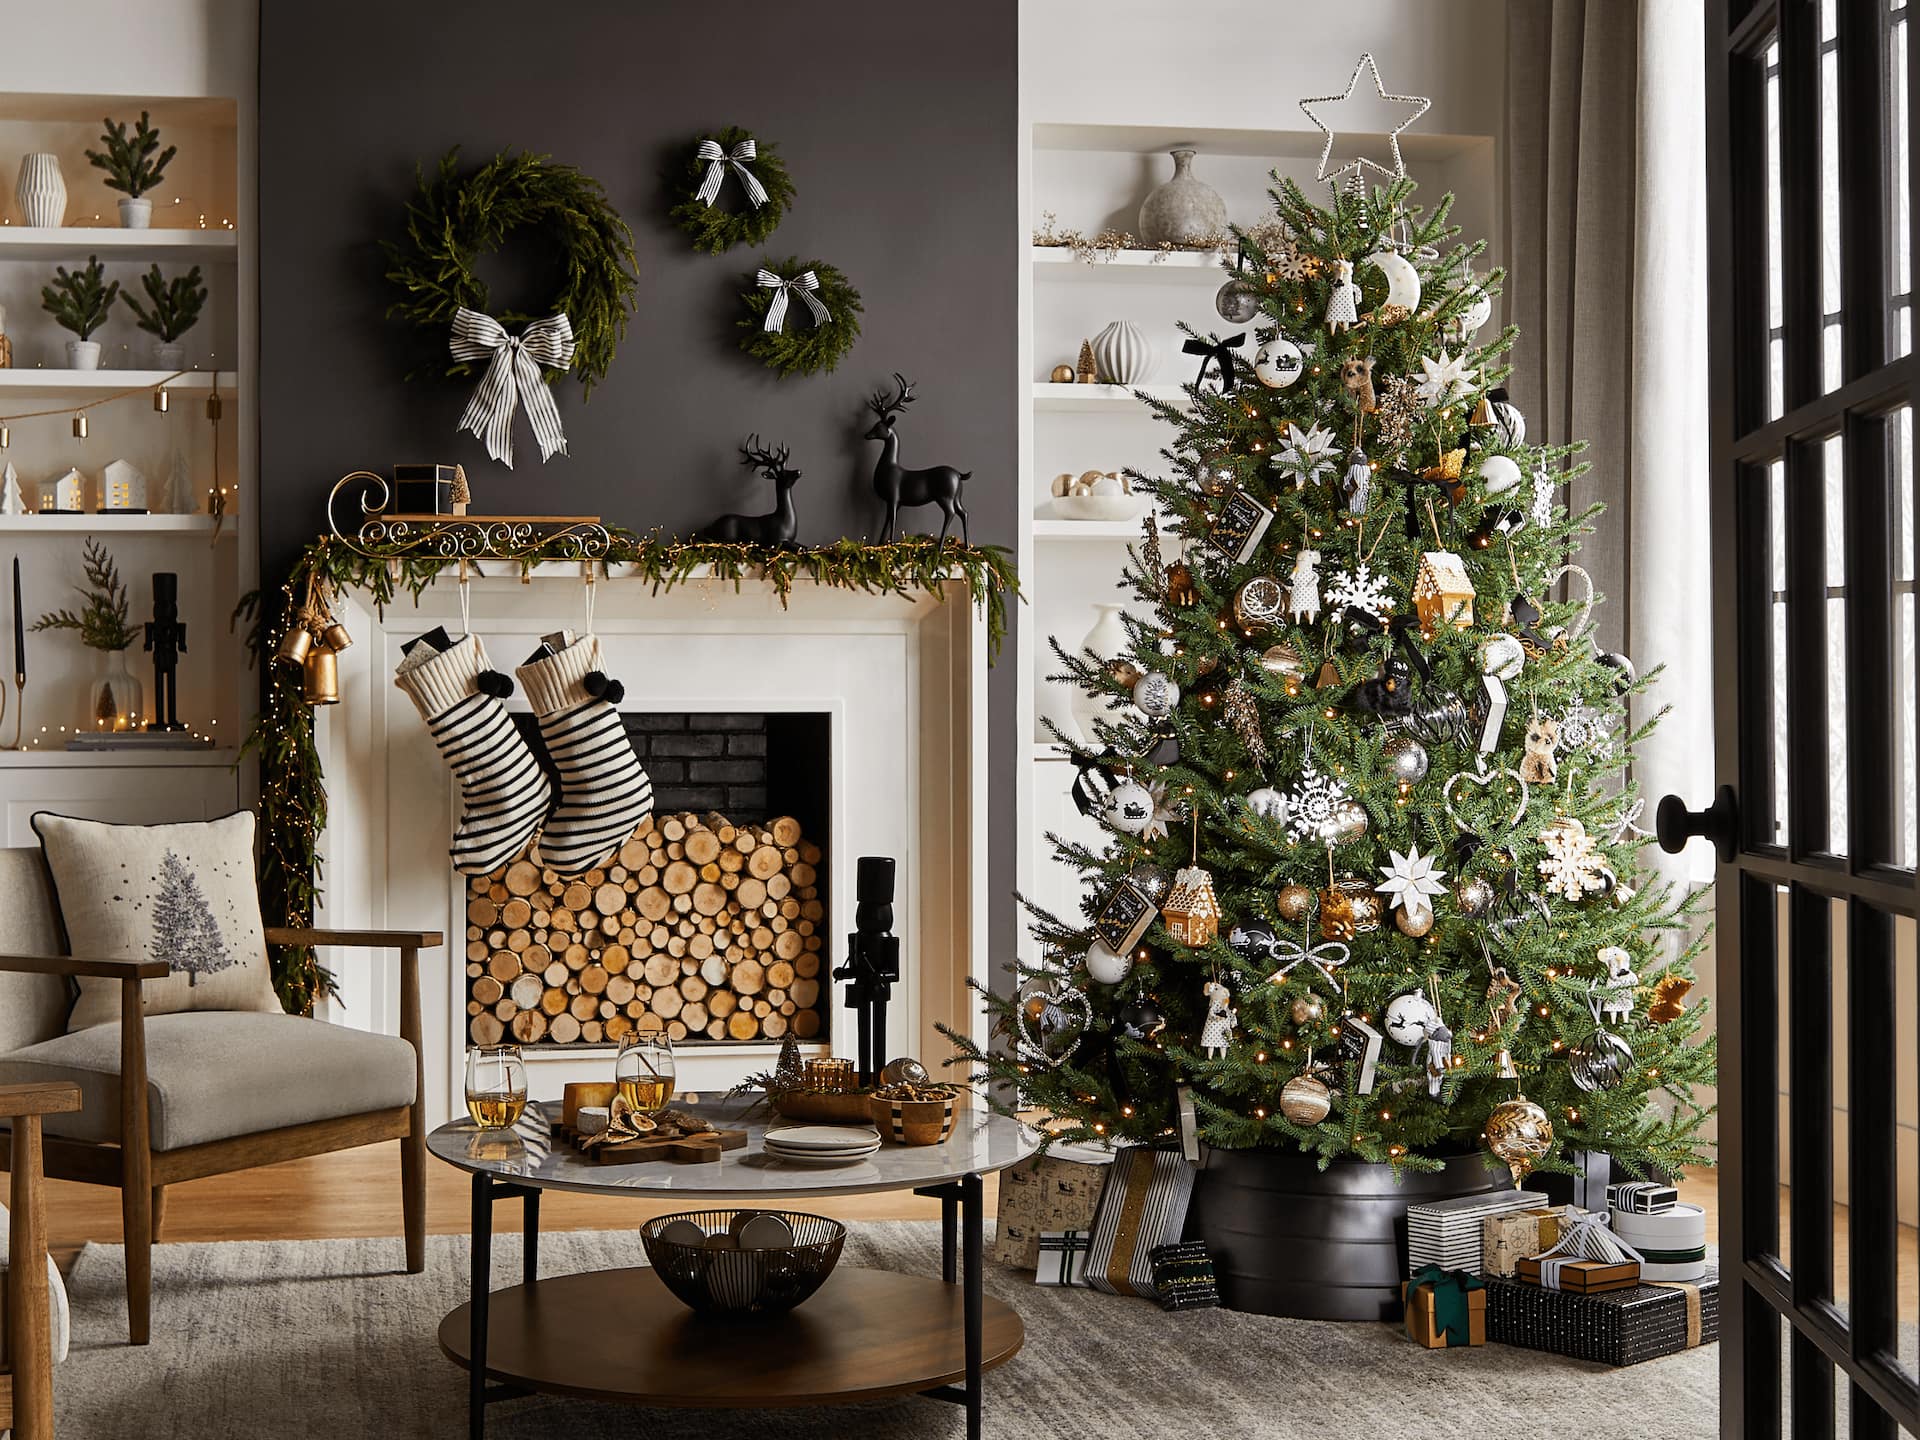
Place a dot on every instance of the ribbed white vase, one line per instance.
(1124, 354)
(42, 191)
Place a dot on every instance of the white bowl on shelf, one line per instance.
(1099, 507)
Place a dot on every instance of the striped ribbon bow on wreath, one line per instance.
(804, 285)
(513, 375)
(717, 161)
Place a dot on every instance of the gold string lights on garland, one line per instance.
(293, 801)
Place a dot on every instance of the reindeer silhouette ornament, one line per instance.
(938, 485)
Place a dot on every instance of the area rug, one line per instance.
(257, 1341)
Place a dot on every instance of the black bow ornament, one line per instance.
(1216, 352)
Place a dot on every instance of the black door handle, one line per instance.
(1674, 824)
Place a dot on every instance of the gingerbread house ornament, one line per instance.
(1442, 593)
(1191, 911)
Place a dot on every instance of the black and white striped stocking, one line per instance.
(604, 790)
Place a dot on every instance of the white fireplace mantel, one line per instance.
(904, 679)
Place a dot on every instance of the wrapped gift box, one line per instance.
(1672, 1242)
(1063, 1258)
(1183, 1276)
(1507, 1239)
(1581, 1277)
(1057, 1191)
(1143, 1205)
(1618, 1327)
(1450, 1233)
(1641, 1197)
(1445, 1309)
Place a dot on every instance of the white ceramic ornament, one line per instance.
(1129, 807)
(1499, 474)
(1155, 695)
(1403, 281)
(1278, 363)
(1105, 966)
(1409, 1017)
(1267, 803)
(1502, 657)
(1478, 311)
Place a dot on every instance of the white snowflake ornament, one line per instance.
(1445, 379)
(1360, 588)
(1315, 807)
(1588, 731)
(1308, 454)
(1292, 264)
(1574, 867)
(1544, 492)
(1411, 883)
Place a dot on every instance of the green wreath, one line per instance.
(805, 344)
(452, 221)
(715, 228)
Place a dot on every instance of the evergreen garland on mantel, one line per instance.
(293, 799)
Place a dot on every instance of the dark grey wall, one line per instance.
(897, 123)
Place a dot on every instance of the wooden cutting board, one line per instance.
(701, 1147)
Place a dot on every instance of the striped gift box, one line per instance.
(1063, 1257)
(1143, 1206)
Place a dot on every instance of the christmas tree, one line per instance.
(185, 934)
(1371, 890)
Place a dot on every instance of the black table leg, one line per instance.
(481, 1287)
(975, 1303)
(948, 1232)
(530, 1228)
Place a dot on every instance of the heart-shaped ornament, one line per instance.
(1484, 779)
(1053, 1016)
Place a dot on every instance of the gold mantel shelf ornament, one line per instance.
(380, 535)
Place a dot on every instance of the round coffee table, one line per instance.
(866, 1334)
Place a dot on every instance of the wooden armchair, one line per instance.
(208, 1093)
(26, 1370)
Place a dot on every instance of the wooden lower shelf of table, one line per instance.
(620, 1335)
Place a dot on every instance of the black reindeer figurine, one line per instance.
(938, 485)
(776, 529)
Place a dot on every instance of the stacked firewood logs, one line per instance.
(698, 927)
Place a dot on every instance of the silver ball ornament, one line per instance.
(1406, 759)
(1107, 966)
(1474, 896)
(1349, 822)
(1155, 695)
(1237, 301)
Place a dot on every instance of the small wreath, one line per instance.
(713, 200)
(801, 343)
(452, 221)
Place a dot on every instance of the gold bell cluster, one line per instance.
(313, 642)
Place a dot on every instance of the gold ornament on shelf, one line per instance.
(1085, 371)
(1063, 374)
(1519, 1133)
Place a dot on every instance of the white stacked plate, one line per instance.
(821, 1144)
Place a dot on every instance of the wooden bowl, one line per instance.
(913, 1122)
(848, 1107)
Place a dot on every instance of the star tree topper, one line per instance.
(1418, 105)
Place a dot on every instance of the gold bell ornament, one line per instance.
(320, 680)
(298, 640)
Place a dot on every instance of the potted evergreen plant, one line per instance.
(81, 302)
(116, 701)
(132, 167)
(176, 309)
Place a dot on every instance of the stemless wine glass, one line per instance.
(644, 1072)
(496, 1086)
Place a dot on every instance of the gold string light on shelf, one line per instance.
(178, 204)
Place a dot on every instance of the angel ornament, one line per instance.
(1343, 305)
(1217, 1034)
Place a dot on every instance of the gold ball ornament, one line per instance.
(1307, 1010)
(1283, 660)
(1305, 1100)
(1294, 902)
(1519, 1133)
(1414, 922)
(1063, 374)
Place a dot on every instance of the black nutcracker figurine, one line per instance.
(166, 641)
(873, 961)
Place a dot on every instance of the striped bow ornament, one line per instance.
(514, 363)
(717, 162)
(803, 285)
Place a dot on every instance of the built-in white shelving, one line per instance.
(1116, 398)
(1054, 262)
(55, 757)
(108, 525)
(63, 243)
(51, 384)
(1074, 530)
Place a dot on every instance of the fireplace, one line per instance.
(708, 925)
(886, 693)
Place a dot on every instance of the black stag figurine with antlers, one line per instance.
(938, 485)
(776, 529)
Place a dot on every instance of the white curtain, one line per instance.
(1606, 175)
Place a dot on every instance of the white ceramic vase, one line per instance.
(1107, 639)
(83, 354)
(1124, 354)
(1185, 210)
(135, 214)
(42, 191)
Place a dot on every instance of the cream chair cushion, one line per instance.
(182, 893)
(57, 1306)
(212, 1076)
(32, 1007)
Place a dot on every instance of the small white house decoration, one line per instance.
(1442, 593)
(123, 489)
(64, 495)
(1191, 911)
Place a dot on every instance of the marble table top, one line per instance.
(531, 1154)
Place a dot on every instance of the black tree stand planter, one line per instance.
(1290, 1239)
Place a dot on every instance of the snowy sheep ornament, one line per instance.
(1303, 599)
(1217, 1034)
